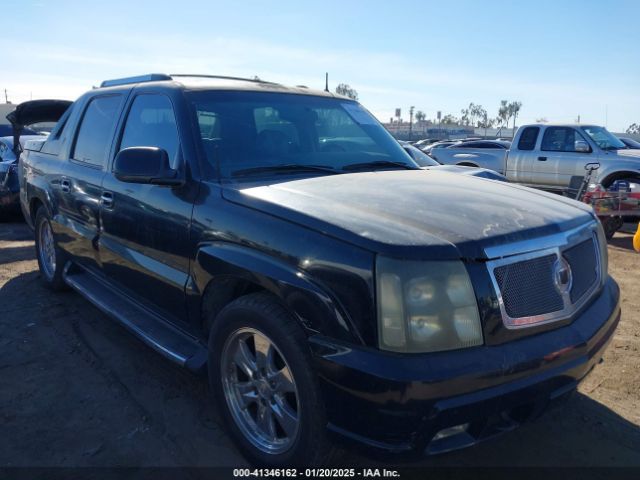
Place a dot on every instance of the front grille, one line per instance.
(584, 267)
(549, 284)
(527, 287)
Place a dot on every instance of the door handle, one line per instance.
(542, 159)
(106, 199)
(65, 186)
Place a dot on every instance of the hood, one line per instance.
(415, 213)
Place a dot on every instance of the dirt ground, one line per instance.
(76, 389)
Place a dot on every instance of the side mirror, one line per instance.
(582, 147)
(145, 165)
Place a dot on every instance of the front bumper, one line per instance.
(398, 403)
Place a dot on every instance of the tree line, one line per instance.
(474, 115)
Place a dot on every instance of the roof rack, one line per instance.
(151, 77)
(222, 77)
(156, 77)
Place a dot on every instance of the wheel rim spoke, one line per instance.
(285, 417)
(265, 422)
(244, 360)
(246, 393)
(264, 352)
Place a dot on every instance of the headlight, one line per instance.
(425, 306)
(604, 253)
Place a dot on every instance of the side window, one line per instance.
(563, 139)
(528, 138)
(96, 130)
(3, 150)
(56, 133)
(151, 122)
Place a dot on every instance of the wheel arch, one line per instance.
(610, 177)
(223, 272)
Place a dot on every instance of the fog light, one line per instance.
(450, 432)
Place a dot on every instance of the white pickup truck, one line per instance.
(551, 157)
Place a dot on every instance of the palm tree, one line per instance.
(514, 109)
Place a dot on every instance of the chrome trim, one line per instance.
(572, 237)
(504, 255)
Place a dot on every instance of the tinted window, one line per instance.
(4, 149)
(151, 122)
(480, 145)
(562, 139)
(61, 124)
(96, 130)
(528, 138)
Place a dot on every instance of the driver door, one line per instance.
(563, 154)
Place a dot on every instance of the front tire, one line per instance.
(51, 259)
(262, 377)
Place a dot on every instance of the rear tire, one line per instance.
(261, 374)
(51, 260)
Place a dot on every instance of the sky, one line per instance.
(560, 58)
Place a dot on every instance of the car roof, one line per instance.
(560, 124)
(215, 82)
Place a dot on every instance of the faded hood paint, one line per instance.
(415, 213)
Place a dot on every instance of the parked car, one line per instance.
(475, 153)
(9, 186)
(424, 142)
(630, 142)
(280, 239)
(10, 147)
(437, 145)
(426, 162)
(7, 131)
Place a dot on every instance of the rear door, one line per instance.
(559, 160)
(145, 228)
(522, 156)
(79, 187)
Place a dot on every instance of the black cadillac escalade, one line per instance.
(282, 241)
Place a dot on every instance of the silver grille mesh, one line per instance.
(527, 287)
(584, 267)
(526, 283)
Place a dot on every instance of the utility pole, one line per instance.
(411, 121)
(6, 98)
(326, 82)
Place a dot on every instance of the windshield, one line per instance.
(261, 133)
(603, 138)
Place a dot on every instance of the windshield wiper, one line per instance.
(286, 168)
(378, 164)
